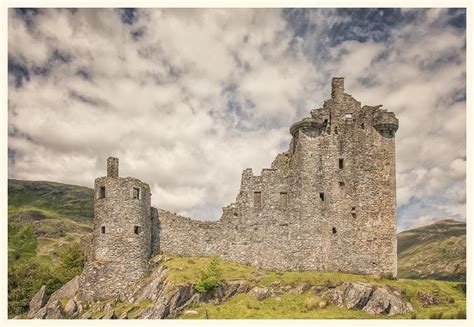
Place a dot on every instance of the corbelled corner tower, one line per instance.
(122, 235)
(327, 204)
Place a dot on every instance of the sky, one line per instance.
(188, 98)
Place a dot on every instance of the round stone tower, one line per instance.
(122, 224)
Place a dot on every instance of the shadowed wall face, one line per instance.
(327, 204)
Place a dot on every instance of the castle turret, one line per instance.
(337, 88)
(122, 232)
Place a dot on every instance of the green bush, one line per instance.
(211, 278)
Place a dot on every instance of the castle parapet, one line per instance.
(386, 123)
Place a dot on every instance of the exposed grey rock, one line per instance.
(54, 310)
(387, 302)
(260, 293)
(356, 295)
(40, 314)
(67, 291)
(37, 302)
(300, 289)
(334, 296)
(427, 299)
(71, 310)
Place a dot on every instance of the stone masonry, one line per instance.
(327, 204)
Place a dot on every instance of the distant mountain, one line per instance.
(74, 202)
(436, 251)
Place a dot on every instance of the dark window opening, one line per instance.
(341, 163)
(102, 229)
(335, 130)
(102, 192)
(390, 133)
(329, 131)
(136, 193)
(136, 229)
(341, 183)
(257, 199)
(334, 231)
(235, 214)
(353, 212)
(362, 126)
(321, 196)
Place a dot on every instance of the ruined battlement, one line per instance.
(326, 204)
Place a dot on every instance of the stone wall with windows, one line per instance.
(326, 204)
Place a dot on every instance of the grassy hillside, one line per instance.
(56, 199)
(436, 251)
(45, 223)
(450, 296)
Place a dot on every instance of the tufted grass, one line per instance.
(188, 270)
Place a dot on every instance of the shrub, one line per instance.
(413, 315)
(211, 278)
(451, 300)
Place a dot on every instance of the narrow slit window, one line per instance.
(283, 200)
(341, 163)
(102, 229)
(334, 231)
(136, 193)
(321, 196)
(102, 192)
(257, 199)
(335, 130)
(136, 229)
(353, 212)
(362, 126)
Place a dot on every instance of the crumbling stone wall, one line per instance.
(122, 234)
(327, 204)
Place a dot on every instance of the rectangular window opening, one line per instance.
(341, 163)
(102, 192)
(136, 229)
(341, 183)
(283, 200)
(321, 196)
(136, 193)
(102, 229)
(353, 212)
(334, 231)
(348, 115)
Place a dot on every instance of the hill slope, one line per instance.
(436, 251)
(74, 202)
(46, 220)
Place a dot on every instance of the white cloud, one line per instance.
(203, 94)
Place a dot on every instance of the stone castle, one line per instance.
(327, 204)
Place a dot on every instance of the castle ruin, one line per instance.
(327, 204)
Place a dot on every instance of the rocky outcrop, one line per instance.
(372, 299)
(67, 291)
(387, 301)
(37, 302)
(157, 297)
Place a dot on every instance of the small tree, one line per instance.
(211, 278)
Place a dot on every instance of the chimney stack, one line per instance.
(112, 167)
(337, 91)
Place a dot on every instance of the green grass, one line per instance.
(75, 202)
(436, 251)
(189, 269)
